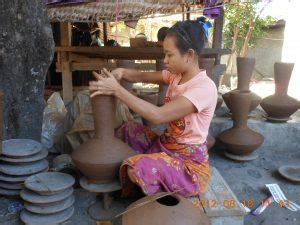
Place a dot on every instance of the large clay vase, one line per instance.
(99, 158)
(208, 64)
(160, 65)
(1, 119)
(240, 139)
(128, 64)
(168, 210)
(245, 67)
(280, 106)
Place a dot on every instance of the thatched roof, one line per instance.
(106, 10)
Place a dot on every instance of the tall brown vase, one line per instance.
(245, 67)
(99, 158)
(160, 65)
(280, 106)
(240, 141)
(208, 64)
(1, 119)
(129, 64)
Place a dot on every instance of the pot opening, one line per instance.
(168, 201)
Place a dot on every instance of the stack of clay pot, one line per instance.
(48, 198)
(240, 141)
(245, 67)
(99, 158)
(279, 106)
(19, 159)
(161, 209)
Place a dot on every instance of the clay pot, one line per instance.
(151, 98)
(138, 42)
(160, 65)
(128, 64)
(99, 158)
(172, 209)
(240, 139)
(210, 141)
(280, 106)
(208, 64)
(1, 118)
(245, 67)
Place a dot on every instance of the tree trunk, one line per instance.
(26, 51)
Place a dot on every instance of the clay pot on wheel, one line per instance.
(172, 209)
(245, 67)
(280, 106)
(240, 140)
(99, 158)
(208, 64)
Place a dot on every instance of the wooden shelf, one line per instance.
(146, 53)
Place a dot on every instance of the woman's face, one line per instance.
(174, 60)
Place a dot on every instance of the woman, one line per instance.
(176, 161)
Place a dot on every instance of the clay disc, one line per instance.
(20, 147)
(249, 157)
(40, 155)
(14, 179)
(100, 188)
(56, 218)
(22, 169)
(9, 192)
(35, 198)
(49, 182)
(11, 186)
(50, 209)
(291, 173)
(276, 120)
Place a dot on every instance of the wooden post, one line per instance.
(65, 40)
(218, 31)
(104, 33)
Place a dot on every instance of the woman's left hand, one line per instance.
(104, 85)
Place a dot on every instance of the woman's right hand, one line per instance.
(118, 73)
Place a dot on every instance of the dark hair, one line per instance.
(162, 33)
(189, 35)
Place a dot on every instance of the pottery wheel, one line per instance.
(50, 209)
(20, 147)
(35, 198)
(248, 157)
(100, 188)
(9, 192)
(38, 156)
(291, 173)
(14, 179)
(11, 186)
(21, 169)
(49, 182)
(56, 218)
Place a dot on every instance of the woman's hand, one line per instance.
(118, 73)
(104, 85)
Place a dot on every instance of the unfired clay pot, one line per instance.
(160, 65)
(245, 67)
(280, 106)
(168, 210)
(99, 158)
(129, 64)
(208, 65)
(240, 139)
(1, 118)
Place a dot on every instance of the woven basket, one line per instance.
(105, 10)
